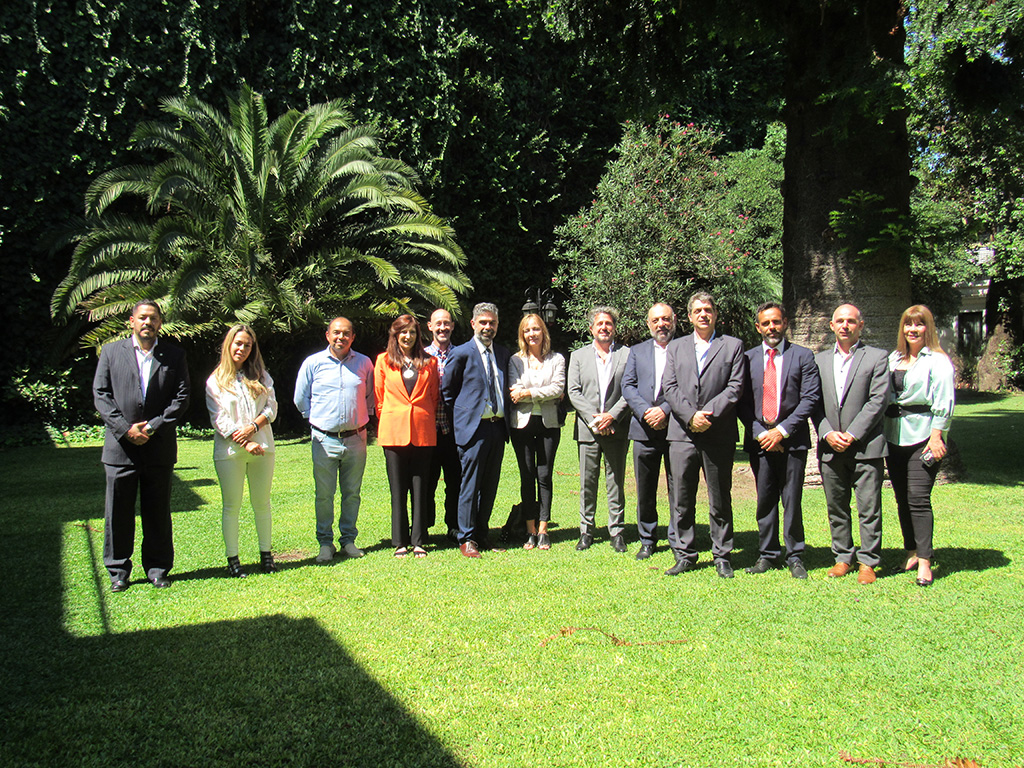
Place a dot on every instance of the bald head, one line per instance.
(661, 321)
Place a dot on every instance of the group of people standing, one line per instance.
(449, 410)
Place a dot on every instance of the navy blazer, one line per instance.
(717, 389)
(464, 387)
(117, 396)
(638, 387)
(801, 391)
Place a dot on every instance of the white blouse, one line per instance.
(230, 410)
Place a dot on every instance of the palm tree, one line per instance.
(277, 225)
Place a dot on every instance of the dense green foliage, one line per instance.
(662, 225)
(496, 115)
(279, 225)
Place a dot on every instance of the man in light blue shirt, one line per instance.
(334, 392)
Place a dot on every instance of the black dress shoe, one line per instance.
(646, 550)
(160, 582)
(267, 564)
(796, 568)
(234, 568)
(724, 569)
(763, 565)
(586, 540)
(618, 543)
(118, 585)
(681, 566)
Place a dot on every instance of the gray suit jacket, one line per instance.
(717, 389)
(117, 396)
(585, 393)
(863, 404)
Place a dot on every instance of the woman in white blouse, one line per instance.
(916, 423)
(240, 399)
(537, 382)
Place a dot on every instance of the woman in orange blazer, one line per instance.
(406, 383)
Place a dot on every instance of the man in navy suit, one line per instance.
(648, 429)
(781, 391)
(475, 389)
(141, 390)
(703, 384)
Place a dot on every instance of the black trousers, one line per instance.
(780, 477)
(535, 446)
(444, 459)
(648, 457)
(151, 484)
(912, 485)
(408, 467)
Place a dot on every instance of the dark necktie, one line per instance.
(492, 399)
(770, 403)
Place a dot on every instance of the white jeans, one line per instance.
(232, 473)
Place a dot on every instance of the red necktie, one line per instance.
(770, 403)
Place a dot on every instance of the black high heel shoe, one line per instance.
(267, 564)
(235, 568)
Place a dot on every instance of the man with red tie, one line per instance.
(782, 390)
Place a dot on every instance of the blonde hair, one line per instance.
(545, 344)
(252, 369)
(921, 314)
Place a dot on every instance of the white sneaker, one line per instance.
(327, 552)
(351, 550)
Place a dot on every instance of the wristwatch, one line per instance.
(148, 430)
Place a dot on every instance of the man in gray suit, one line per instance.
(648, 429)
(703, 383)
(595, 391)
(141, 391)
(851, 445)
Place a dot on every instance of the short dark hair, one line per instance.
(771, 305)
(148, 303)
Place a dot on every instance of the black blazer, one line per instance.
(717, 389)
(117, 395)
(638, 386)
(801, 391)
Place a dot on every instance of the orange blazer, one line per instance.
(406, 419)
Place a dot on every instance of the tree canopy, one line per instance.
(276, 224)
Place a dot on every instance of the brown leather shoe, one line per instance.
(866, 575)
(469, 549)
(839, 569)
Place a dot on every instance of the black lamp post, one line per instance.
(540, 302)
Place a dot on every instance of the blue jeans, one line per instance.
(338, 461)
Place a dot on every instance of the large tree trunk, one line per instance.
(843, 136)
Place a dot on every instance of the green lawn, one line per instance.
(447, 661)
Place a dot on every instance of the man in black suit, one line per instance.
(648, 429)
(141, 391)
(703, 384)
(851, 444)
(474, 387)
(781, 391)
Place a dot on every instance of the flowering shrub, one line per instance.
(660, 227)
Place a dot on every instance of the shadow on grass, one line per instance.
(267, 691)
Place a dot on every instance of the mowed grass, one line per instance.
(555, 658)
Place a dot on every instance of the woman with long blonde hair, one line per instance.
(916, 423)
(242, 404)
(537, 382)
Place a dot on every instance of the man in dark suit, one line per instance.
(648, 429)
(781, 391)
(475, 390)
(594, 385)
(703, 384)
(851, 445)
(445, 458)
(141, 390)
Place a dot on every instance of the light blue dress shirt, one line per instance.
(335, 395)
